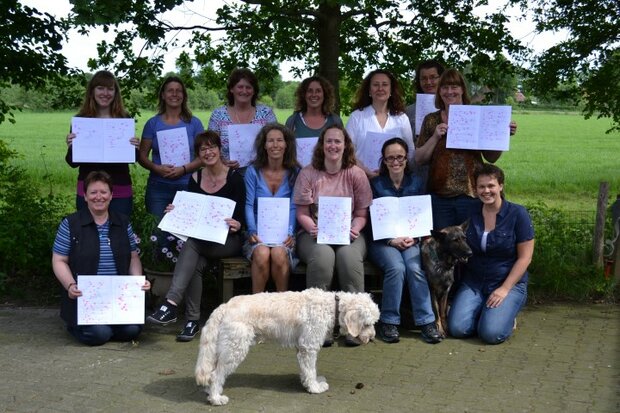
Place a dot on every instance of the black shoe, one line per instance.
(166, 314)
(430, 334)
(189, 331)
(388, 332)
(328, 342)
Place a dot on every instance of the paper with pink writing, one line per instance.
(334, 220)
(173, 146)
(424, 104)
(272, 219)
(199, 216)
(369, 150)
(407, 216)
(100, 140)
(110, 299)
(479, 127)
(241, 142)
(305, 149)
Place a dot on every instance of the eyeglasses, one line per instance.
(210, 148)
(429, 78)
(398, 158)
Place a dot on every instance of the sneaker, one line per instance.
(430, 334)
(166, 314)
(351, 341)
(189, 331)
(388, 332)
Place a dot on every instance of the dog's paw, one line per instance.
(219, 400)
(319, 386)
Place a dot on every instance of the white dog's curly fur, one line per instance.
(294, 319)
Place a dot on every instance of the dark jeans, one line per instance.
(452, 211)
(100, 334)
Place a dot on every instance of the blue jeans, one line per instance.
(452, 211)
(97, 335)
(159, 194)
(398, 267)
(469, 314)
(122, 205)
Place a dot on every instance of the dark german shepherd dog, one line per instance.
(440, 253)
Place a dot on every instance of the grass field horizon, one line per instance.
(555, 158)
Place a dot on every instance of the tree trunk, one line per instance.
(328, 30)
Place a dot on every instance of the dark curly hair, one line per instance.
(329, 98)
(396, 104)
(348, 156)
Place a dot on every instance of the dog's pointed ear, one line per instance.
(465, 225)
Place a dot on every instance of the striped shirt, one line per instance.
(107, 266)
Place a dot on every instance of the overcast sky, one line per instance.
(80, 48)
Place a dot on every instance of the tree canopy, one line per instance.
(339, 39)
(30, 49)
(588, 60)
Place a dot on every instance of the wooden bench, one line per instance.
(235, 268)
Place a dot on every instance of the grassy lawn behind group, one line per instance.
(556, 158)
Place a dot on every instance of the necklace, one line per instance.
(213, 180)
(241, 120)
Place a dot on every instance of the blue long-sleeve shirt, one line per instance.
(256, 187)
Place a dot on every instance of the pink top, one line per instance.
(351, 182)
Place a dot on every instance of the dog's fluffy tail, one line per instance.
(207, 354)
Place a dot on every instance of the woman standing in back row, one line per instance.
(103, 100)
(165, 179)
(241, 109)
(314, 108)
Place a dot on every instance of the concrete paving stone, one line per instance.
(548, 363)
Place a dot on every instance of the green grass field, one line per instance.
(556, 158)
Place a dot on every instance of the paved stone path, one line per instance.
(562, 358)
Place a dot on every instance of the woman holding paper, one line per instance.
(451, 177)
(399, 258)
(314, 108)
(170, 136)
(271, 175)
(103, 100)
(95, 241)
(494, 286)
(378, 114)
(216, 179)
(333, 173)
(241, 109)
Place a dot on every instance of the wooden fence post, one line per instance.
(599, 228)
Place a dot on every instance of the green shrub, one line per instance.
(562, 264)
(28, 223)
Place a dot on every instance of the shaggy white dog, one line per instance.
(294, 319)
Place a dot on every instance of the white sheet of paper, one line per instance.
(110, 299)
(334, 220)
(272, 219)
(100, 140)
(241, 142)
(370, 148)
(479, 127)
(424, 104)
(199, 216)
(305, 149)
(173, 146)
(408, 216)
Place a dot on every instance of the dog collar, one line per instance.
(337, 299)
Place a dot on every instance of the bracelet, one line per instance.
(184, 170)
(69, 286)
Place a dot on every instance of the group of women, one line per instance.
(493, 288)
